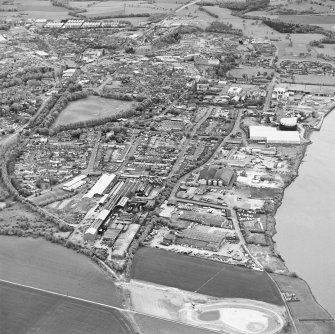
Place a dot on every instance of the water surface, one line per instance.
(306, 219)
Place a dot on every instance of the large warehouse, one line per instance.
(101, 185)
(215, 175)
(202, 237)
(273, 136)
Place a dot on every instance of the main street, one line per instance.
(269, 93)
(235, 129)
(187, 142)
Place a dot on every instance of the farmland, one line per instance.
(92, 107)
(40, 264)
(203, 276)
(25, 310)
(35, 9)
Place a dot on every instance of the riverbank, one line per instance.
(308, 314)
(311, 257)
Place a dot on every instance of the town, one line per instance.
(173, 133)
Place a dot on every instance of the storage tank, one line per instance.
(288, 123)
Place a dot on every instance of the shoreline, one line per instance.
(273, 244)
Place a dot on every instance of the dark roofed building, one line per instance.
(216, 175)
(201, 240)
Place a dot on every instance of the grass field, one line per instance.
(36, 9)
(41, 264)
(25, 310)
(307, 314)
(93, 107)
(307, 308)
(203, 276)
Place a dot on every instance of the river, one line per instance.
(306, 220)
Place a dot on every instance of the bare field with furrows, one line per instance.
(203, 276)
(150, 325)
(24, 310)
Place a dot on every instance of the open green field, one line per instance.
(36, 9)
(307, 314)
(250, 28)
(41, 264)
(307, 307)
(203, 276)
(117, 7)
(308, 19)
(92, 107)
(25, 310)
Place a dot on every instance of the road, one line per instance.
(90, 167)
(235, 129)
(187, 143)
(186, 5)
(269, 94)
(12, 137)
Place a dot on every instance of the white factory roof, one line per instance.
(103, 214)
(76, 182)
(272, 135)
(100, 185)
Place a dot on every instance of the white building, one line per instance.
(92, 231)
(279, 93)
(75, 183)
(273, 136)
(101, 185)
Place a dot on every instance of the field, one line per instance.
(36, 9)
(299, 45)
(203, 276)
(93, 107)
(150, 325)
(307, 19)
(25, 310)
(307, 308)
(40, 264)
(122, 7)
(308, 315)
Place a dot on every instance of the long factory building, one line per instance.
(119, 192)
